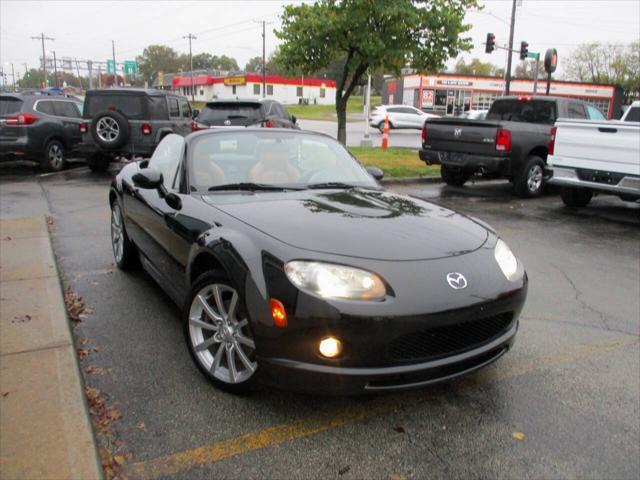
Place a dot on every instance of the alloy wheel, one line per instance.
(107, 129)
(56, 156)
(534, 178)
(220, 335)
(117, 233)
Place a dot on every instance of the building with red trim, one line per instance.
(249, 85)
(450, 94)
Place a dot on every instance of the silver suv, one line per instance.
(129, 122)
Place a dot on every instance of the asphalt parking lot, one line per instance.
(564, 403)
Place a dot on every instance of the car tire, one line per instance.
(98, 162)
(124, 251)
(216, 333)
(110, 129)
(453, 177)
(54, 159)
(530, 182)
(575, 197)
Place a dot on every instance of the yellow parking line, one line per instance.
(214, 452)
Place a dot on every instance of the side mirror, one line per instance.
(194, 113)
(375, 172)
(148, 179)
(293, 119)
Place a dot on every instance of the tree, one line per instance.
(254, 65)
(202, 61)
(476, 67)
(606, 63)
(158, 58)
(527, 69)
(368, 35)
(206, 61)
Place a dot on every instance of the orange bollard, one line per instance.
(385, 133)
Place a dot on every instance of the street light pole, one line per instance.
(191, 37)
(44, 59)
(115, 69)
(508, 72)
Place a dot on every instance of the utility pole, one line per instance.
(508, 72)
(264, 59)
(191, 37)
(13, 77)
(55, 69)
(78, 70)
(42, 38)
(90, 68)
(115, 69)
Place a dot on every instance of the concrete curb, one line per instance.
(45, 428)
(411, 180)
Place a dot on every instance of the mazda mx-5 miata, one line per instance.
(295, 268)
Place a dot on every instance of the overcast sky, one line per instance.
(84, 29)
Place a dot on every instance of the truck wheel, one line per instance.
(530, 182)
(575, 197)
(98, 162)
(453, 177)
(54, 157)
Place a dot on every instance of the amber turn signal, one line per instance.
(278, 313)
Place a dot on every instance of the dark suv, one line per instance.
(39, 127)
(244, 113)
(129, 122)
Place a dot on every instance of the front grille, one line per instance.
(449, 339)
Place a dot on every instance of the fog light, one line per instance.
(330, 347)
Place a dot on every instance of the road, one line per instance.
(355, 132)
(564, 403)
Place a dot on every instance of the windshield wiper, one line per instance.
(250, 186)
(330, 185)
(235, 117)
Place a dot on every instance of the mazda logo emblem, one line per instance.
(456, 280)
(456, 133)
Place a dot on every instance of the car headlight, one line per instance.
(335, 281)
(506, 260)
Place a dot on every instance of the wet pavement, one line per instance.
(564, 403)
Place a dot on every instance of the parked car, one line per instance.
(129, 122)
(474, 114)
(632, 114)
(400, 116)
(226, 113)
(285, 253)
(510, 143)
(40, 128)
(587, 157)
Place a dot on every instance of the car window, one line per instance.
(633, 115)
(594, 113)
(185, 108)
(271, 157)
(278, 111)
(166, 157)
(410, 111)
(395, 110)
(46, 107)
(9, 105)
(576, 110)
(235, 113)
(66, 109)
(130, 106)
(174, 109)
(529, 111)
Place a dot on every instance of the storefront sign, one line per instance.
(235, 80)
(454, 83)
(427, 98)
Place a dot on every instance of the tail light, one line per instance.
(269, 124)
(552, 140)
(83, 127)
(195, 126)
(525, 98)
(503, 141)
(22, 119)
(146, 129)
(424, 132)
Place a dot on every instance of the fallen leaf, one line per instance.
(49, 220)
(399, 429)
(4, 394)
(344, 470)
(7, 238)
(119, 459)
(518, 436)
(97, 370)
(83, 353)
(21, 319)
(141, 425)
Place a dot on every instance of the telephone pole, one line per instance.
(264, 59)
(115, 69)
(508, 72)
(191, 37)
(42, 38)
(55, 69)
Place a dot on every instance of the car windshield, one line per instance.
(262, 158)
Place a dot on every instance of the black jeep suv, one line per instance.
(39, 128)
(129, 122)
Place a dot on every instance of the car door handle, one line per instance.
(607, 130)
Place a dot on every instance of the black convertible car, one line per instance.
(296, 269)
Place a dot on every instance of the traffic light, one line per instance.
(490, 46)
(524, 50)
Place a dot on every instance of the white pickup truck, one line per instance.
(587, 157)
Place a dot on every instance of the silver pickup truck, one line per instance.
(587, 157)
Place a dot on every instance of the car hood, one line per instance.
(355, 223)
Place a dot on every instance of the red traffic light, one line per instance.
(490, 45)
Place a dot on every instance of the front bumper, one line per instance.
(466, 161)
